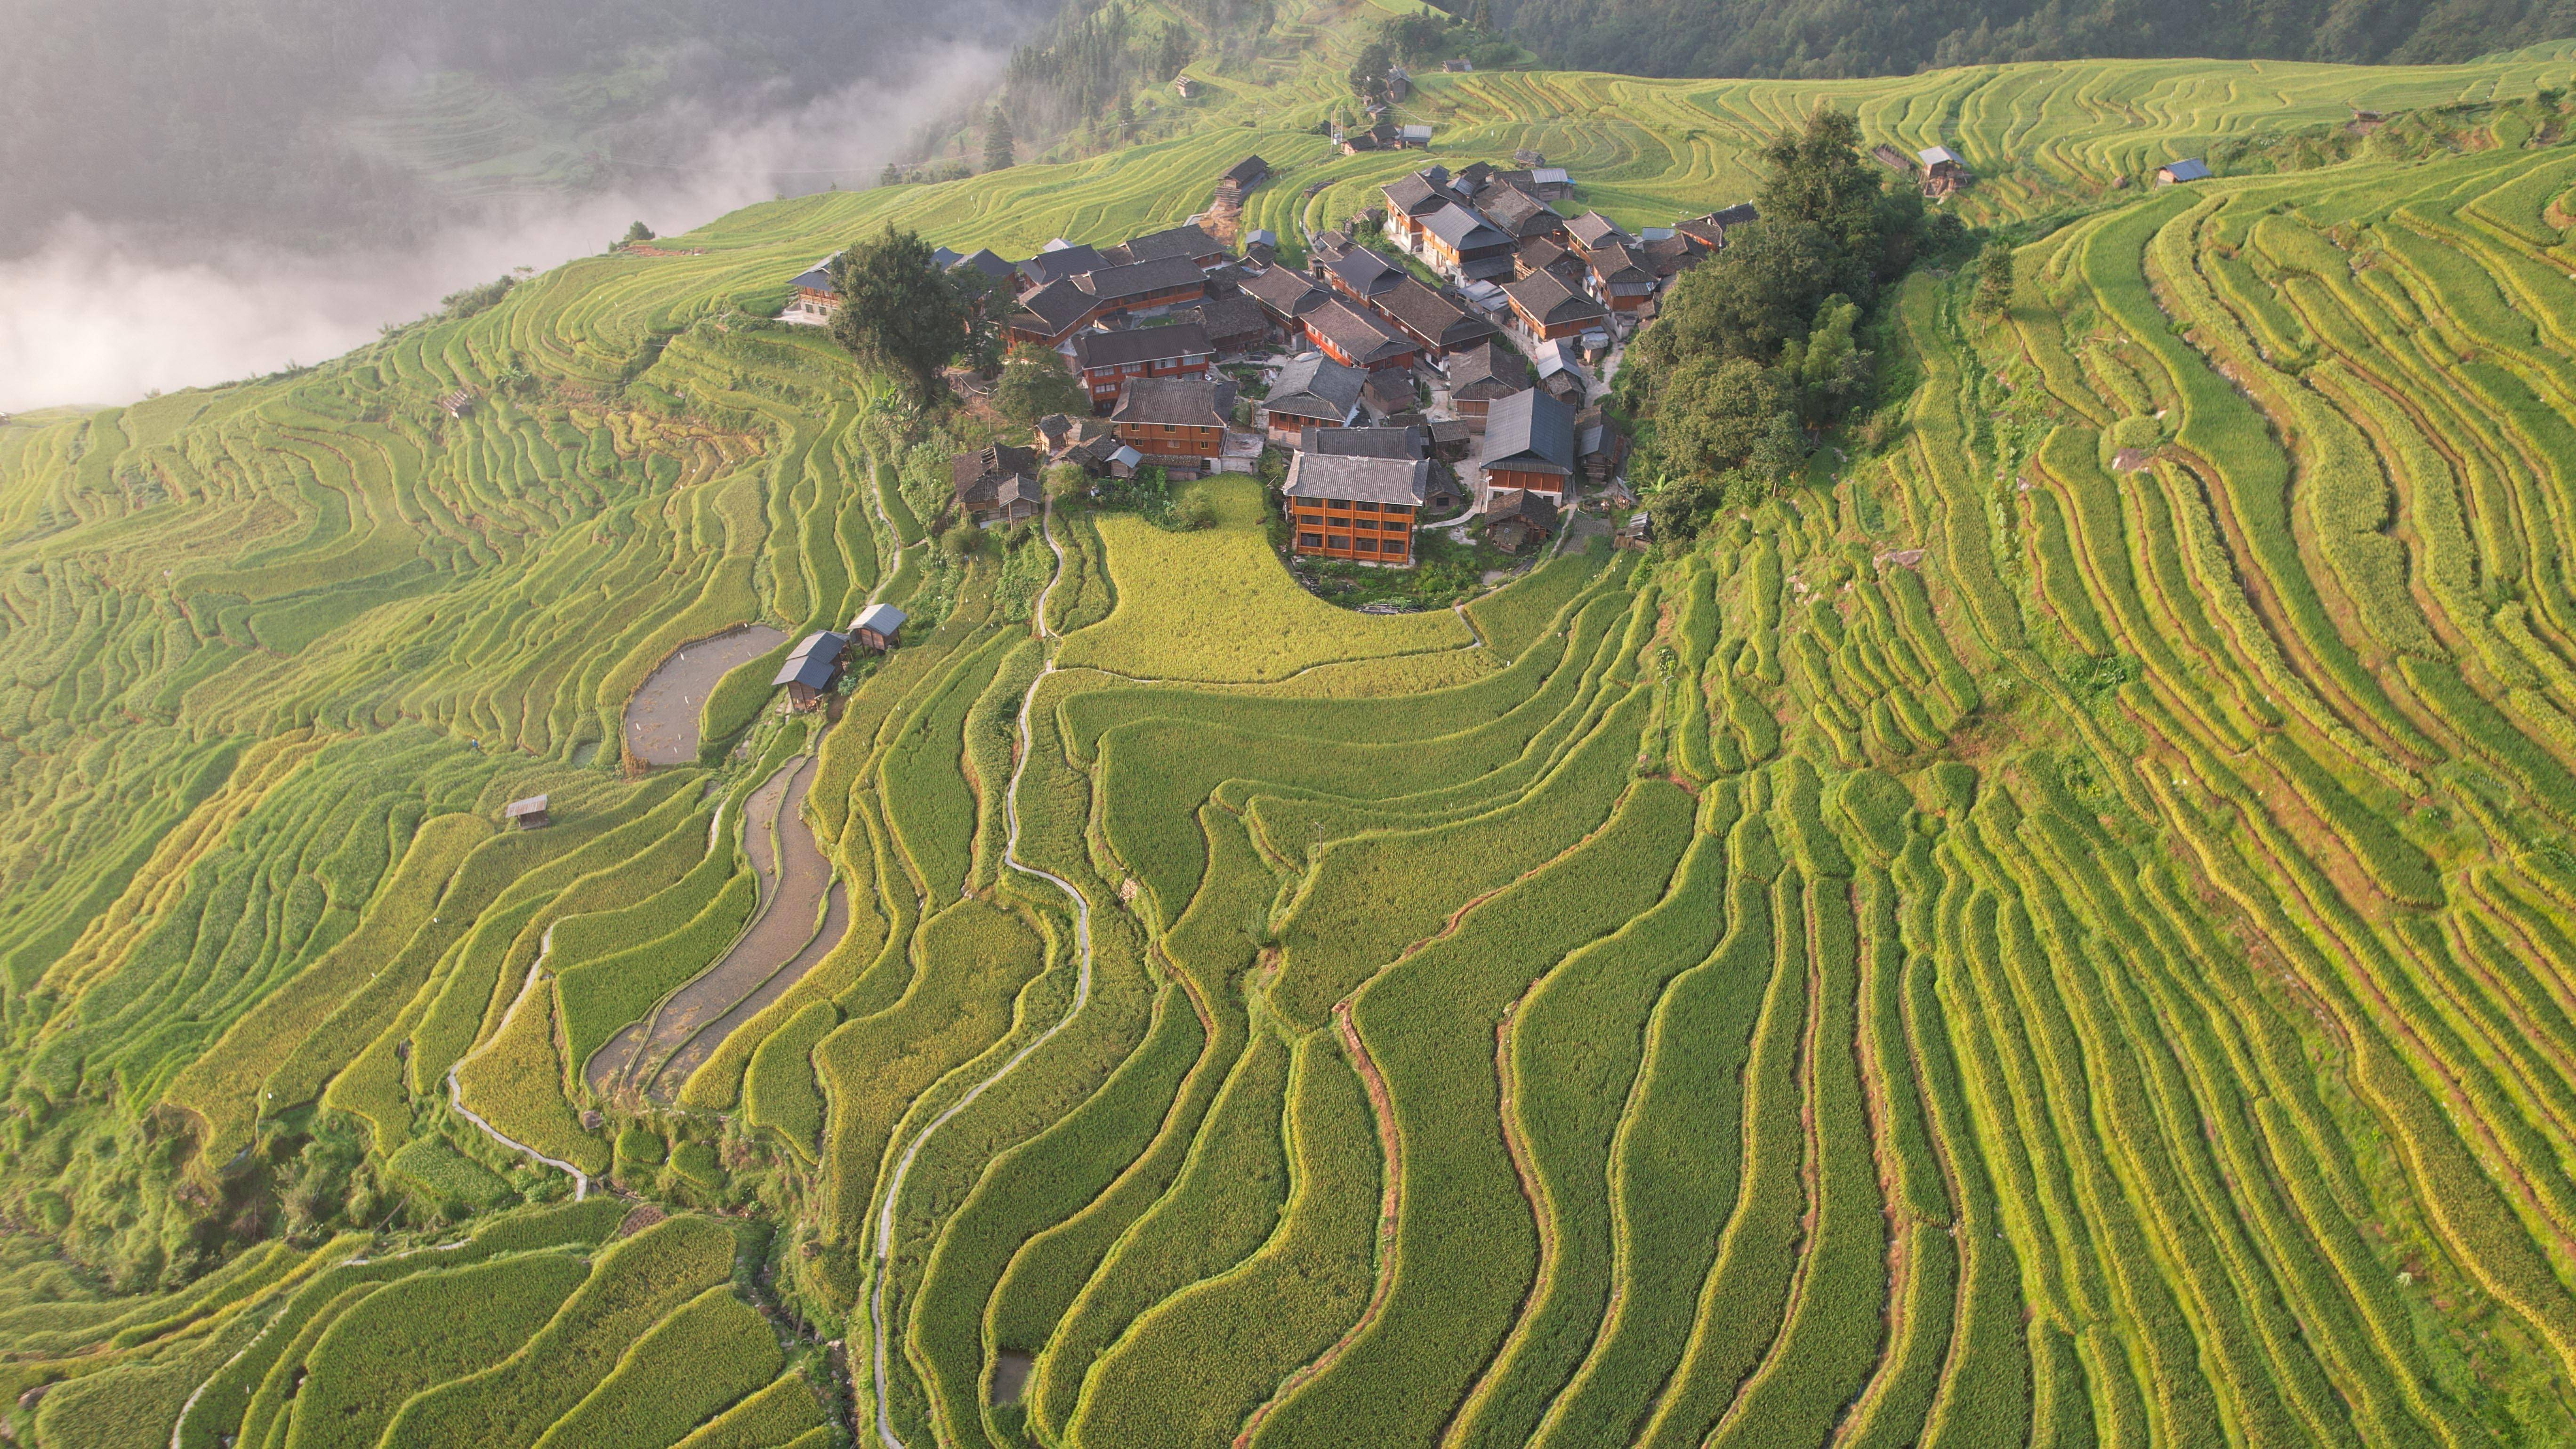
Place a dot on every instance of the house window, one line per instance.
(1341, 541)
(1368, 545)
(1365, 507)
(1310, 540)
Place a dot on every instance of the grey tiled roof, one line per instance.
(1356, 479)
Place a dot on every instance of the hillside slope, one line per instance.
(2057, 930)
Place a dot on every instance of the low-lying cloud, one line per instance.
(98, 316)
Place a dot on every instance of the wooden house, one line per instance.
(1413, 200)
(1516, 518)
(1550, 309)
(877, 627)
(1710, 230)
(1241, 178)
(811, 298)
(1457, 241)
(1356, 337)
(1314, 391)
(1619, 279)
(1059, 262)
(812, 668)
(1285, 298)
(526, 814)
(1457, 65)
(1235, 324)
(1549, 183)
(1353, 506)
(1943, 171)
(1518, 214)
(1406, 443)
(998, 483)
(2181, 172)
(1109, 361)
(1052, 314)
(1359, 273)
(1592, 230)
(1144, 288)
(1190, 241)
(1529, 444)
(1413, 137)
(1185, 86)
(1481, 375)
(1175, 421)
(1435, 324)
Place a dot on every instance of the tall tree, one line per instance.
(1994, 279)
(997, 141)
(897, 313)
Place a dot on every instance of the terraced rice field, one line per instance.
(2059, 934)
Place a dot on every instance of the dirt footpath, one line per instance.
(662, 718)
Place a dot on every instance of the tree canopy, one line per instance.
(1759, 346)
(898, 313)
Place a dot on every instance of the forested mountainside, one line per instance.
(2057, 926)
(1826, 38)
(315, 124)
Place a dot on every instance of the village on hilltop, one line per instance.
(1440, 360)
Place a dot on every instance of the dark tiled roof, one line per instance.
(1246, 172)
(1535, 509)
(1358, 479)
(1426, 313)
(1417, 195)
(1592, 229)
(1491, 370)
(813, 662)
(1316, 386)
(1178, 401)
(1138, 279)
(1359, 336)
(1518, 212)
(1552, 302)
(1059, 305)
(1284, 292)
(1073, 261)
(1179, 241)
(1672, 254)
(1232, 319)
(1363, 271)
(1464, 230)
(1366, 442)
(990, 263)
(816, 279)
(1530, 432)
(979, 476)
(1176, 343)
(1615, 263)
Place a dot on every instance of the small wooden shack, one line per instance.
(877, 626)
(2177, 172)
(812, 669)
(1943, 171)
(526, 814)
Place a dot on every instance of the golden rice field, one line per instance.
(2058, 934)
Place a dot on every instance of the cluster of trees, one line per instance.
(1760, 348)
(1818, 39)
(1083, 70)
(903, 316)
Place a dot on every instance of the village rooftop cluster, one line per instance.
(1440, 358)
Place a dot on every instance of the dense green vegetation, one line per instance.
(2051, 921)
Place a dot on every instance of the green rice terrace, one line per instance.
(2059, 929)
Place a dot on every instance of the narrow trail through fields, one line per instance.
(884, 1247)
(456, 1094)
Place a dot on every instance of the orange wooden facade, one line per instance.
(1551, 484)
(1172, 440)
(1369, 532)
